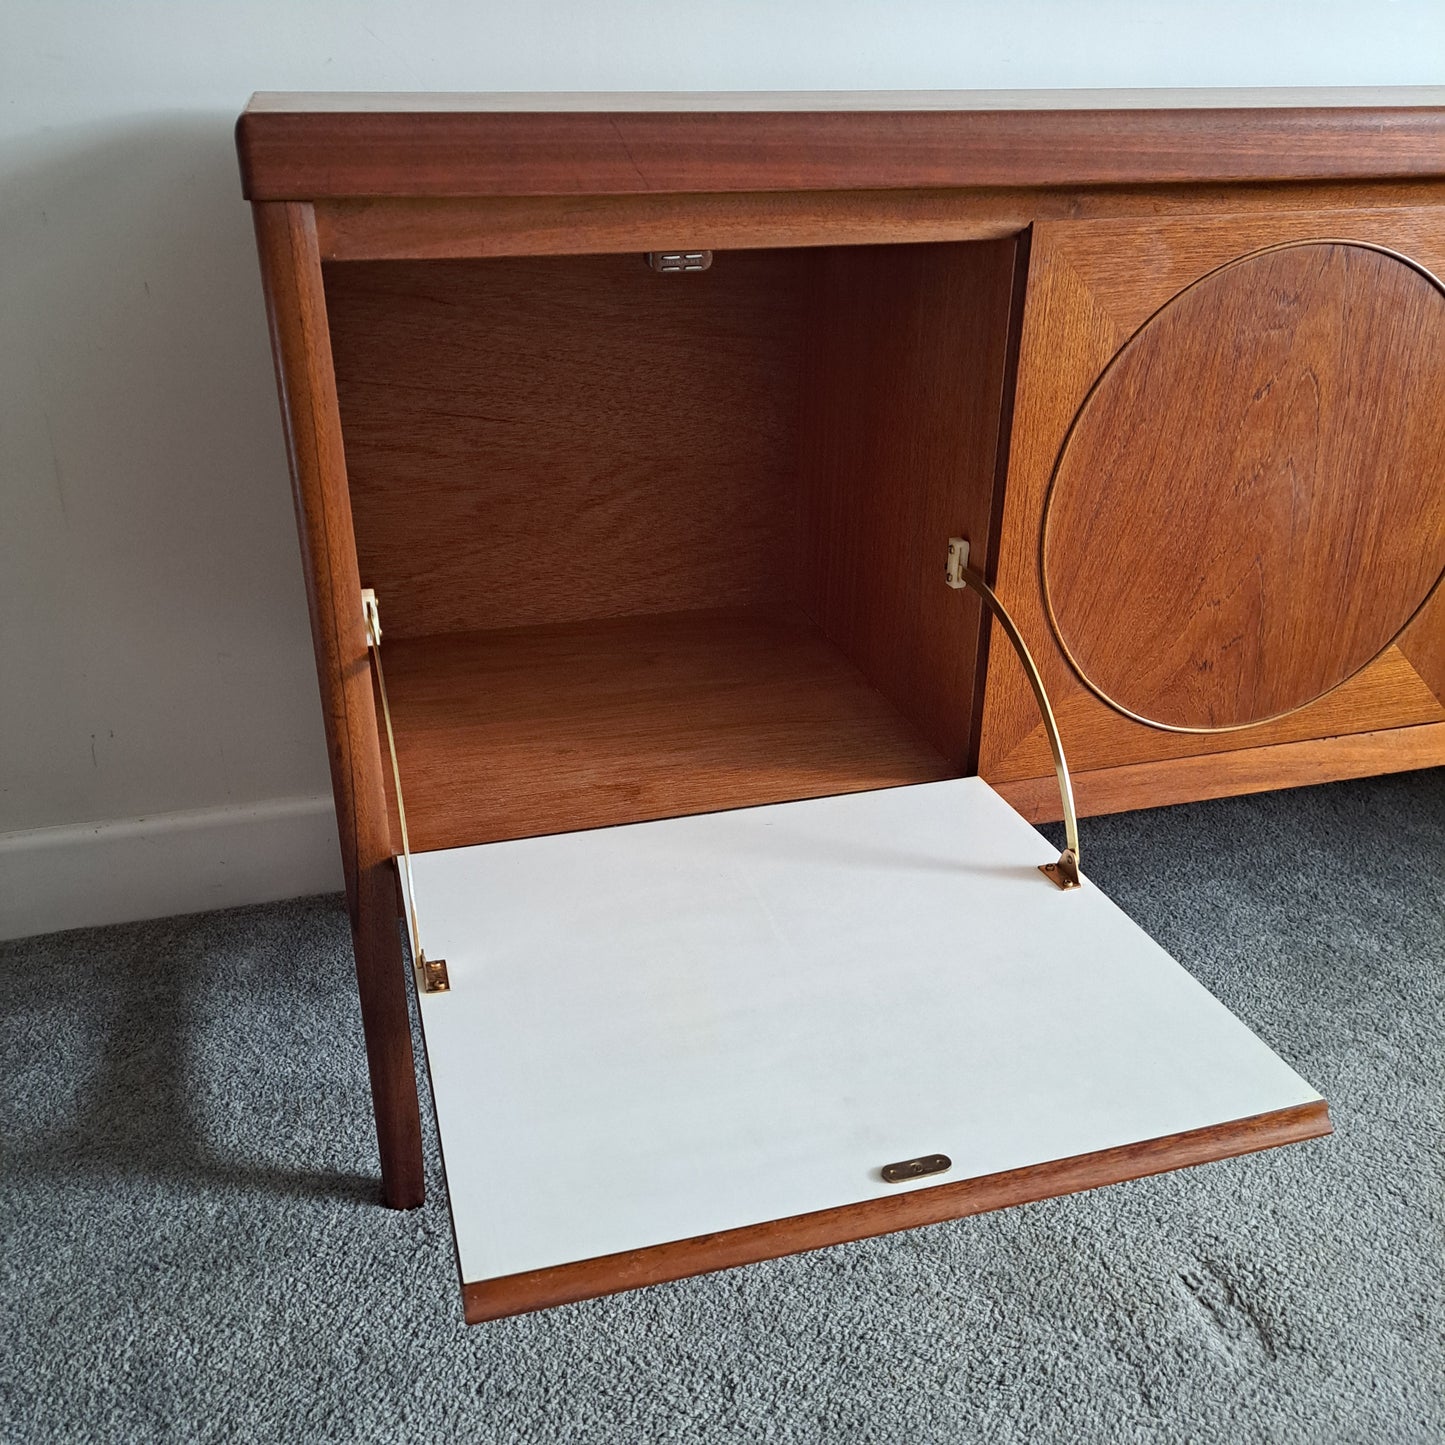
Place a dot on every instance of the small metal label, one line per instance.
(916, 1168)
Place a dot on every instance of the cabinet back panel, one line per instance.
(539, 440)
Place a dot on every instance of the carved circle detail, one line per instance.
(1249, 506)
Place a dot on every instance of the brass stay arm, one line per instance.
(431, 973)
(1065, 873)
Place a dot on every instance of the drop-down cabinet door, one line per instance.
(680, 1045)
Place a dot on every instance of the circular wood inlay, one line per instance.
(1250, 505)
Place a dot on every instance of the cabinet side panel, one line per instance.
(903, 392)
(296, 310)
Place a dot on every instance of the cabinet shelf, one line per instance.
(519, 731)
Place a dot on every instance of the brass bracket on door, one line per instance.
(431, 973)
(959, 575)
(907, 1169)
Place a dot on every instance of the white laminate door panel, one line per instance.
(666, 1029)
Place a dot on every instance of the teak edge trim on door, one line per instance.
(301, 348)
(611, 1274)
(309, 153)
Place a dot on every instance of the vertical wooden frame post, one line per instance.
(301, 346)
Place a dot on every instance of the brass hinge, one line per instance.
(431, 973)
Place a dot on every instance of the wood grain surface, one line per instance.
(904, 403)
(545, 1288)
(1422, 645)
(514, 732)
(1389, 693)
(296, 308)
(1234, 772)
(541, 442)
(1250, 505)
(534, 440)
(374, 228)
(1093, 284)
(309, 149)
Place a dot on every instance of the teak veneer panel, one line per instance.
(306, 147)
(564, 1284)
(390, 228)
(1092, 286)
(1280, 515)
(904, 421)
(1233, 773)
(544, 730)
(1389, 693)
(1422, 645)
(545, 440)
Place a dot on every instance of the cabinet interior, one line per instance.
(648, 545)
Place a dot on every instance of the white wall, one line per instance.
(160, 738)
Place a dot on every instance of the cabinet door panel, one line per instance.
(1227, 490)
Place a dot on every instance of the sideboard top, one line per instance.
(316, 146)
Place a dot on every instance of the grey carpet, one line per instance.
(191, 1252)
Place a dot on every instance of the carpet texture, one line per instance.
(191, 1251)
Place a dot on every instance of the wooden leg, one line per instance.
(381, 980)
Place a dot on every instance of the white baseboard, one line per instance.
(85, 874)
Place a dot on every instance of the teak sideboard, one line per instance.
(650, 422)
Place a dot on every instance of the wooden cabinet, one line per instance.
(694, 736)
(690, 529)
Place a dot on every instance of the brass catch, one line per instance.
(915, 1168)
